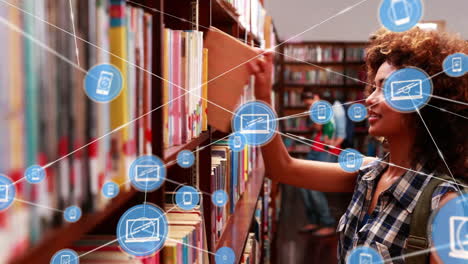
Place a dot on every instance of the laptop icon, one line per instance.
(255, 124)
(146, 173)
(406, 90)
(458, 237)
(4, 193)
(142, 230)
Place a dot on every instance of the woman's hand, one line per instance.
(262, 68)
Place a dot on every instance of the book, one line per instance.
(228, 75)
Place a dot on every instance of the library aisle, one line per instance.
(154, 131)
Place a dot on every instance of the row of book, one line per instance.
(332, 76)
(313, 53)
(48, 118)
(251, 15)
(186, 71)
(297, 124)
(292, 98)
(355, 54)
(356, 76)
(323, 53)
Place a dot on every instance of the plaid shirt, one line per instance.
(388, 226)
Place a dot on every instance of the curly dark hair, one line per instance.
(427, 50)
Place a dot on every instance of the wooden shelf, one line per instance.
(238, 225)
(324, 85)
(170, 154)
(326, 63)
(300, 132)
(64, 236)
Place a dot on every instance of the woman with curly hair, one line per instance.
(386, 191)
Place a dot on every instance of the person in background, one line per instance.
(339, 121)
(321, 222)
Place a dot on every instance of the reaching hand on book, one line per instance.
(262, 68)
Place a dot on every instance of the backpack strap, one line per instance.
(417, 239)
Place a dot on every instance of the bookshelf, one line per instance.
(308, 66)
(218, 13)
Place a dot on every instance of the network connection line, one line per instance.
(447, 111)
(190, 246)
(38, 205)
(72, 17)
(439, 151)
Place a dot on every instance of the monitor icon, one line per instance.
(400, 12)
(104, 83)
(365, 258)
(65, 259)
(457, 64)
(255, 123)
(142, 230)
(406, 90)
(146, 173)
(4, 193)
(458, 237)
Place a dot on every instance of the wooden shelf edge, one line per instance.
(357, 85)
(325, 63)
(237, 228)
(64, 236)
(170, 154)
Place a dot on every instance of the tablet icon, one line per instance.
(351, 160)
(187, 198)
(4, 193)
(400, 12)
(365, 258)
(142, 230)
(458, 237)
(237, 141)
(65, 259)
(322, 114)
(457, 64)
(72, 214)
(255, 123)
(219, 198)
(104, 83)
(406, 90)
(357, 112)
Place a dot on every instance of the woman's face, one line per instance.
(383, 120)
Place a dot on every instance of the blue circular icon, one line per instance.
(400, 15)
(456, 65)
(219, 198)
(147, 173)
(187, 198)
(65, 256)
(72, 214)
(103, 83)
(357, 112)
(35, 174)
(364, 255)
(7, 192)
(408, 89)
(450, 231)
(110, 189)
(142, 230)
(237, 142)
(185, 159)
(256, 121)
(350, 160)
(321, 112)
(225, 255)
